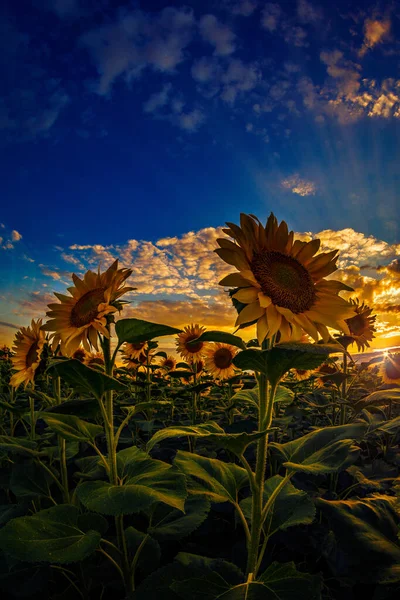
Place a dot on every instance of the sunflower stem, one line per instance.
(62, 445)
(266, 400)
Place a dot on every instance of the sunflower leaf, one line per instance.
(220, 336)
(235, 442)
(378, 398)
(81, 377)
(135, 331)
(52, 535)
(70, 427)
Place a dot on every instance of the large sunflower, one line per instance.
(28, 345)
(361, 326)
(134, 350)
(79, 318)
(191, 352)
(219, 360)
(281, 281)
(389, 369)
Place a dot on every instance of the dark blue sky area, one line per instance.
(142, 120)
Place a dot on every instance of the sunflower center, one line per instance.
(356, 325)
(169, 364)
(223, 358)
(284, 280)
(32, 355)
(86, 309)
(193, 348)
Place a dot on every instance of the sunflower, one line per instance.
(302, 375)
(192, 353)
(168, 363)
(218, 360)
(80, 354)
(28, 345)
(361, 327)
(94, 359)
(389, 368)
(135, 350)
(79, 318)
(281, 281)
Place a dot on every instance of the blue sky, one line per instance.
(125, 125)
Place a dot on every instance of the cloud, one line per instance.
(308, 13)
(375, 32)
(271, 16)
(218, 35)
(158, 99)
(244, 8)
(11, 325)
(15, 236)
(138, 41)
(298, 185)
(65, 8)
(165, 106)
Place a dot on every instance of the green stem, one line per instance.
(62, 445)
(33, 422)
(135, 560)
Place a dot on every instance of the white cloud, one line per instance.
(218, 35)
(298, 185)
(140, 40)
(158, 99)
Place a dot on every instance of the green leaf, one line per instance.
(291, 506)
(50, 535)
(220, 336)
(29, 480)
(321, 451)
(391, 427)
(284, 582)
(278, 582)
(219, 481)
(277, 361)
(146, 482)
(70, 427)
(83, 378)
(18, 446)
(234, 442)
(150, 553)
(366, 531)
(282, 394)
(378, 398)
(170, 524)
(85, 408)
(135, 331)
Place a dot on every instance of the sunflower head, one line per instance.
(191, 352)
(389, 368)
(323, 372)
(134, 350)
(361, 327)
(302, 375)
(168, 363)
(280, 281)
(80, 354)
(82, 316)
(28, 346)
(219, 360)
(94, 359)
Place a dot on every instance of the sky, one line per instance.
(135, 130)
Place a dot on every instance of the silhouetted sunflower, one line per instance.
(28, 345)
(79, 318)
(389, 369)
(168, 363)
(281, 281)
(361, 326)
(218, 360)
(134, 350)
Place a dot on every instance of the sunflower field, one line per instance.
(233, 470)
